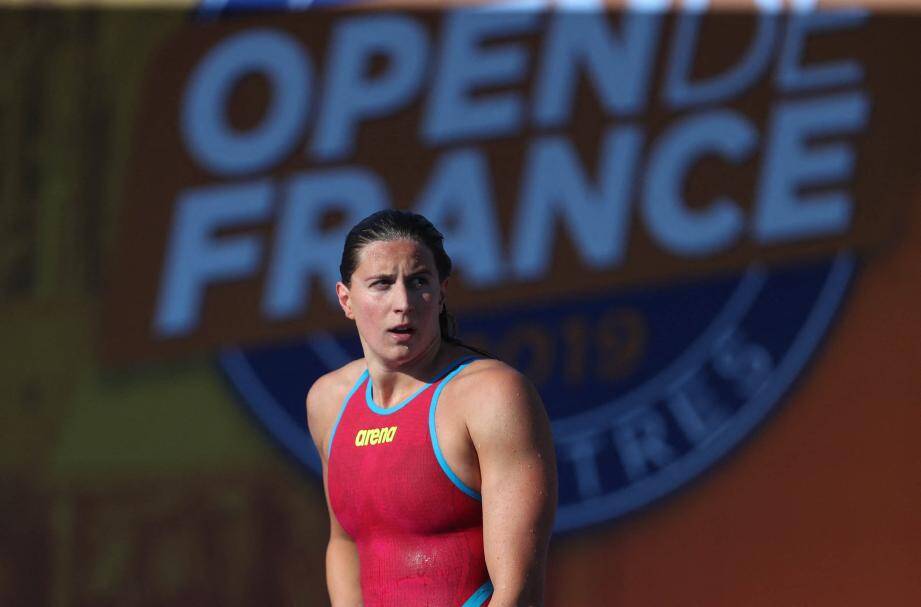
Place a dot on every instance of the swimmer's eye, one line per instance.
(418, 282)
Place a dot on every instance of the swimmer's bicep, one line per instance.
(511, 434)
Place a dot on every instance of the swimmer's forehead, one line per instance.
(392, 257)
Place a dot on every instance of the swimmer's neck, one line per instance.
(392, 383)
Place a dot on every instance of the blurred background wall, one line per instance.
(699, 235)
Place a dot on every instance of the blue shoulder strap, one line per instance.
(345, 402)
(461, 364)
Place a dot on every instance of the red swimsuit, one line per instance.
(417, 526)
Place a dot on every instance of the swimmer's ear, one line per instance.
(345, 302)
(444, 290)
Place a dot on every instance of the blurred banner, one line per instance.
(697, 233)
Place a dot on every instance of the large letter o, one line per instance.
(214, 143)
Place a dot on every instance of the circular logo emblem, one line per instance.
(645, 388)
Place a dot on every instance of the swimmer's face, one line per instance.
(394, 298)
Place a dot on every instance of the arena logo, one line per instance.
(633, 288)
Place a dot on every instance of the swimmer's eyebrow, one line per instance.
(374, 277)
(422, 271)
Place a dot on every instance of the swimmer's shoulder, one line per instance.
(488, 380)
(324, 399)
(502, 410)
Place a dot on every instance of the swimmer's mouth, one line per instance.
(402, 329)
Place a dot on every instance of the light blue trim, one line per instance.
(369, 394)
(480, 595)
(438, 455)
(369, 398)
(329, 448)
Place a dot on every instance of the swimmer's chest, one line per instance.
(387, 474)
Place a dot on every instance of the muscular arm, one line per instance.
(511, 435)
(342, 572)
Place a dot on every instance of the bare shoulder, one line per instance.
(324, 399)
(488, 376)
(494, 395)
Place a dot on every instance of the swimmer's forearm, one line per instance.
(513, 587)
(342, 573)
(531, 597)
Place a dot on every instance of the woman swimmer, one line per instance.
(437, 459)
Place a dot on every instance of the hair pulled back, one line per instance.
(393, 224)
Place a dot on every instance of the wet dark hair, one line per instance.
(392, 224)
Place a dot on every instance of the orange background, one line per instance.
(821, 507)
